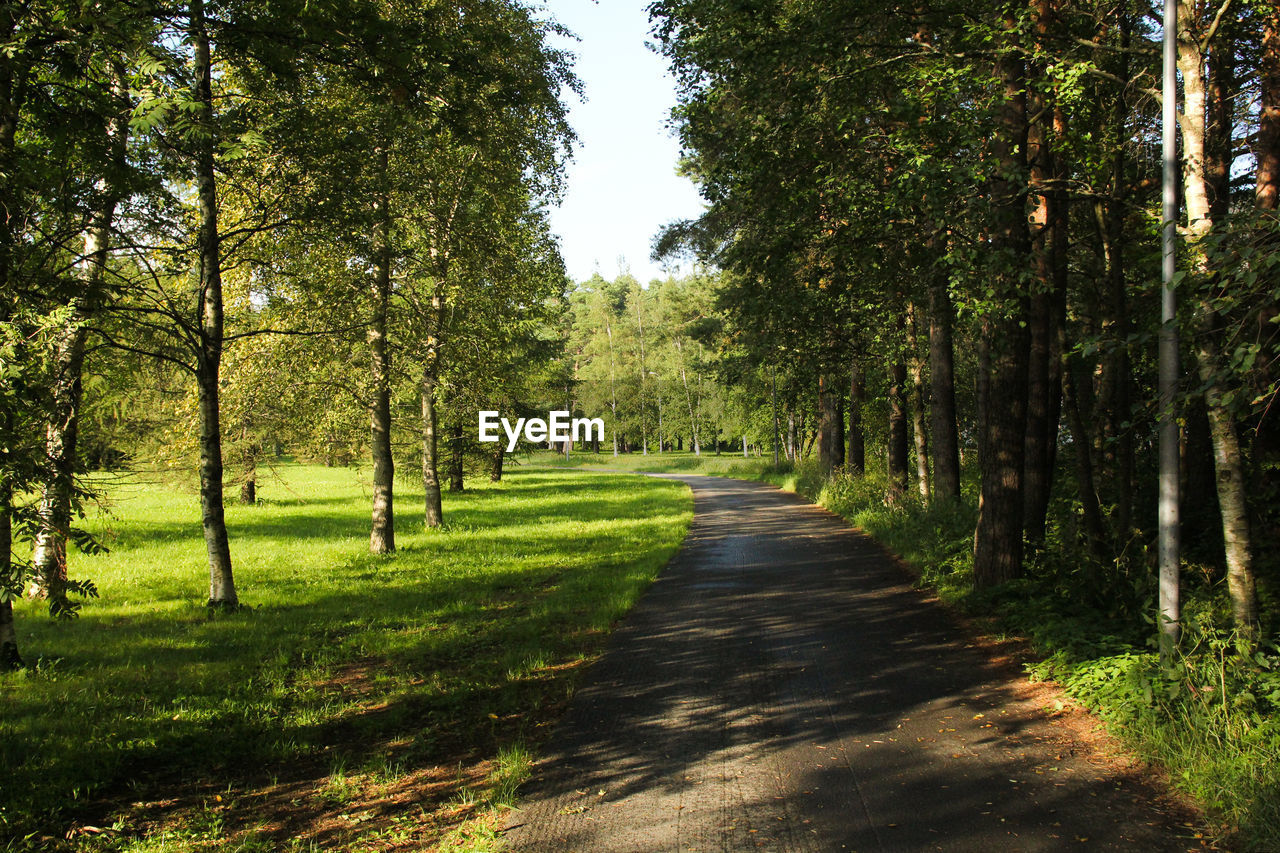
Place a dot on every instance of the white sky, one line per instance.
(622, 186)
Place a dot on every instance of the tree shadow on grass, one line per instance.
(452, 655)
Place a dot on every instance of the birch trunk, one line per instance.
(1227, 455)
(382, 533)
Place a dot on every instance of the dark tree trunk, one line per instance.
(249, 490)
(1094, 531)
(1002, 431)
(856, 459)
(1199, 513)
(946, 440)
(434, 510)
(222, 588)
(455, 460)
(897, 445)
(915, 368)
(9, 658)
(500, 454)
(1048, 236)
(830, 428)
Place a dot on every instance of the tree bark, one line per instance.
(1037, 473)
(1094, 530)
(915, 368)
(9, 657)
(792, 455)
(856, 458)
(457, 471)
(499, 454)
(382, 534)
(830, 428)
(222, 588)
(1267, 144)
(434, 509)
(998, 536)
(897, 445)
(942, 385)
(1228, 458)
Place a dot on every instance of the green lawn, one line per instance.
(349, 686)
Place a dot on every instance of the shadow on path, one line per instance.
(781, 687)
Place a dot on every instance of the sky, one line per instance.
(622, 185)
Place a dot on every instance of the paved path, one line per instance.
(782, 688)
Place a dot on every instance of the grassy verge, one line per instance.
(357, 703)
(1212, 720)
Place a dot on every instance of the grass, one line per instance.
(350, 691)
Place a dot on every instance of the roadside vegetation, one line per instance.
(355, 702)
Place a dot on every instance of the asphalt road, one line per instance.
(781, 687)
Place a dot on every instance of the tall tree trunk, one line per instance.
(49, 552)
(942, 383)
(222, 587)
(500, 454)
(1118, 445)
(249, 487)
(791, 436)
(382, 533)
(1038, 456)
(830, 428)
(9, 658)
(897, 445)
(1228, 458)
(915, 368)
(1002, 431)
(856, 458)
(434, 510)
(1094, 531)
(693, 424)
(455, 459)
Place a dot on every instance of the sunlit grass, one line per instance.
(448, 646)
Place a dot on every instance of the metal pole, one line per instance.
(1169, 532)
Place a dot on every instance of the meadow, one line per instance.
(354, 702)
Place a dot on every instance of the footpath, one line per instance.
(782, 687)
